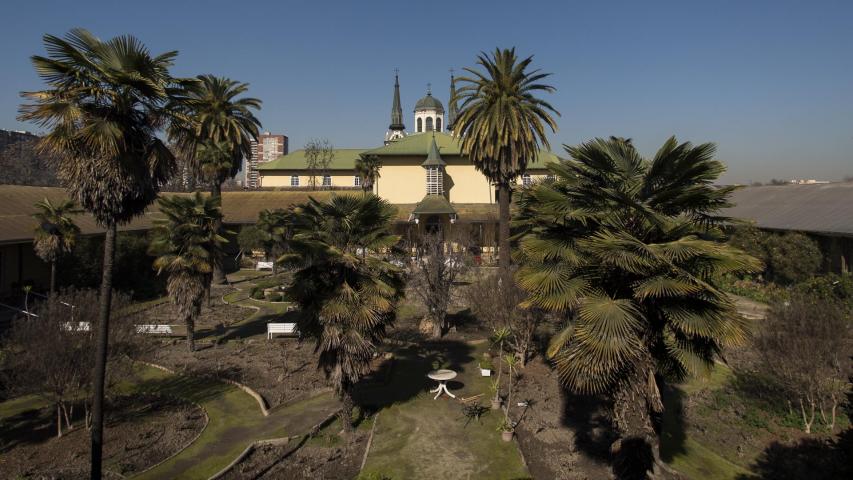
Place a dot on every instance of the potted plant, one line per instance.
(506, 429)
(486, 365)
(500, 336)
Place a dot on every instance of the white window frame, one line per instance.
(294, 180)
(526, 180)
(329, 178)
(356, 181)
(434, 181)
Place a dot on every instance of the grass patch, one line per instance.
(417, 437)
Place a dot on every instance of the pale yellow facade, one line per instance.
(284, 178)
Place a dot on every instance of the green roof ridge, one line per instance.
(433, 157)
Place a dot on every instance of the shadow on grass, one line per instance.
(672, 432)
(28, 427)
(811, 458)
(193, 388)
(408, 373)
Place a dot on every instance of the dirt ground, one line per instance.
(214, 316)
(325, 457)
(140, 431)
(281, 370)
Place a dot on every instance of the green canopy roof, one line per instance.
(344, 159)
(434, 205)
(418, 144)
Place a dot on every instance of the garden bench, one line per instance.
(264, 266)
(155, 329)
(282, 329)
(76, 326)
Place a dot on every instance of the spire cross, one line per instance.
(429, 89)
(396, 71)
(451, 72)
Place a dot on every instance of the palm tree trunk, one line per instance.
(347, 406)
(101, 352)
(503, 229)
(218, 277)
(52, 277)
(190, 322)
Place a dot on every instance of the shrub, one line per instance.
(788, 258)
(275, 297)
(831, 287)
(257, 293)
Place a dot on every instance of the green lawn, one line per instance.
(686, 454)
(417, 437)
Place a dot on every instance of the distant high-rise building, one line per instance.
(266, 149)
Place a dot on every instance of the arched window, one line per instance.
(294, 180)
(327, 180)
(438, 124)
(420, 126)
(429, 124)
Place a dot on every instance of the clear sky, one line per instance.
(770, 82)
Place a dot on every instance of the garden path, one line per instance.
(235, 421)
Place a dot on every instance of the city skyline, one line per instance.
(767, 82)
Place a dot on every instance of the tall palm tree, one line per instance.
(630, 250)
(216, 132)
(502, 124)
(367, 167)
(186, 243)
(277, 226)
(103, 107)
(347, 297)
(55, 234)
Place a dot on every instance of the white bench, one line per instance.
(76, 326)
(264, 266)
(155, 329)
(281, 328)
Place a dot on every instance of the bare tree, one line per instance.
(499, 305)
(319, 154)
(49, 353)
(805, 345)
(437, 268)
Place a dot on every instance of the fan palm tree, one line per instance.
(186, 242)
(56, 233)
(502, 124)
(367, 167)
(277, 227)
(346, 296)
(103, 107)
(630, 249)
(216, 132)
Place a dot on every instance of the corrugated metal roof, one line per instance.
(17, 207)
(826, 208)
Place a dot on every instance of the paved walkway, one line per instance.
(235, 422)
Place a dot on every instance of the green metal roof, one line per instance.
(434, 205)
(429, 103)
(344, 159)
(433, 158)
(418, 144)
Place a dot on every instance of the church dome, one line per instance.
(429, 103)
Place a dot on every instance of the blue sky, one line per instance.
(770, 82)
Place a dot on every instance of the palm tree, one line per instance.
(216, 132)
(103, 106)
(346, 296)
(367, 167)
(630, 249)
(186, 243)
(277, 227)
(502, 124)
(55, 234)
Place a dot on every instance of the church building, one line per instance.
(423, 172)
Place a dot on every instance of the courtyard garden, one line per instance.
(626, 330)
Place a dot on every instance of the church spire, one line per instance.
(453, 110)
(396, 109)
